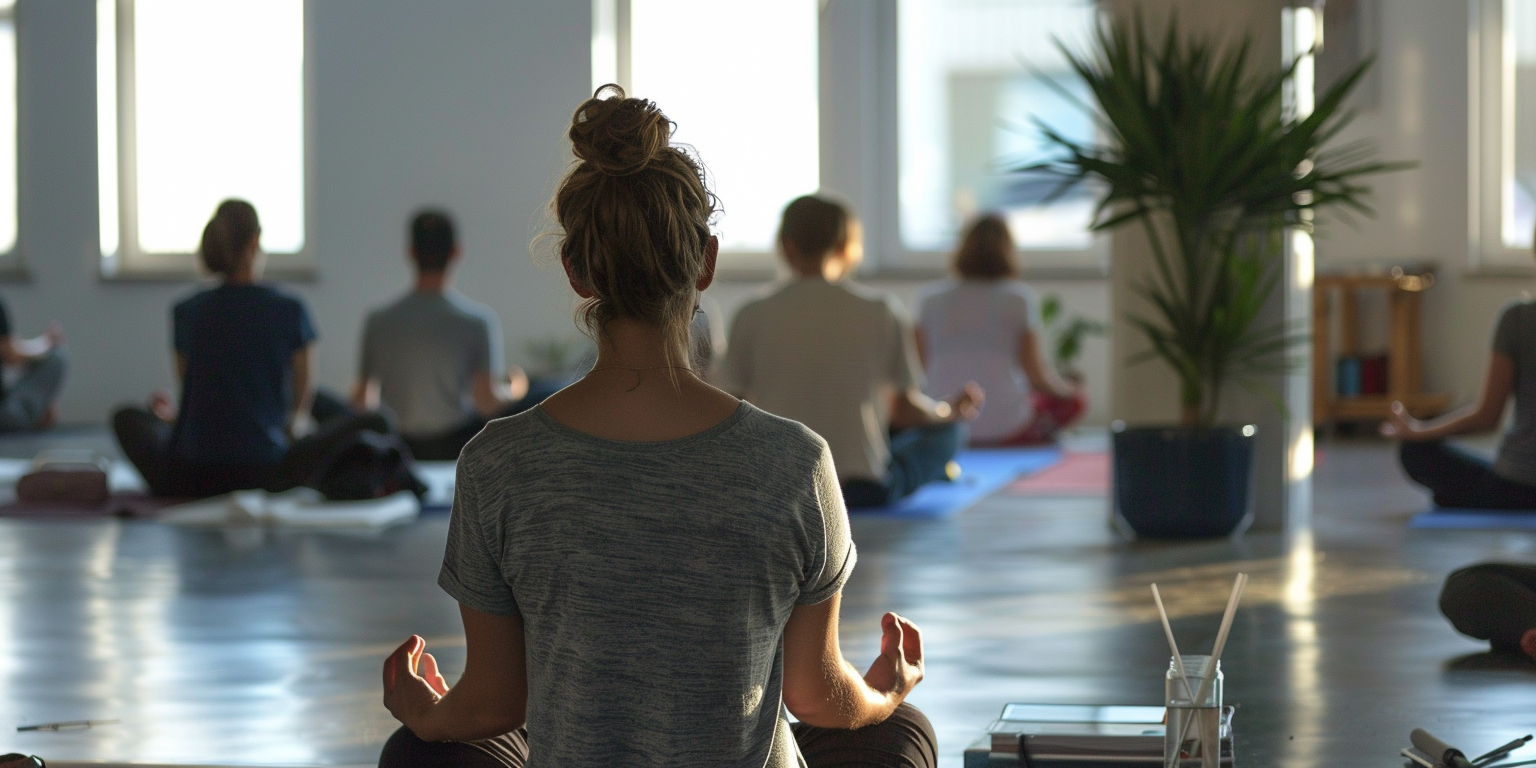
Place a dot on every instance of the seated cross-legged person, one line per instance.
(1457, 478)
(840, 359)
(29, 401)
(1494, 602)
(243, 358)
(984, 326)
(649, 571)
(434, 358)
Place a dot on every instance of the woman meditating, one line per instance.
(649, 570)
(984, 326)
(1457, 478)
(242, 352)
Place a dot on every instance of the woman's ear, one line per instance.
(711, 256)
(576, 285)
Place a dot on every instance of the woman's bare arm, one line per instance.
(491, 697)
(1478, 417)
(822, 689)
(303, 360)
(1042, 377)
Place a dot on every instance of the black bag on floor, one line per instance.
(368, 465)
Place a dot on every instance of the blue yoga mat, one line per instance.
(982, 471)
(1444, 518)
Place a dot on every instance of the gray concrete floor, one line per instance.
(216, 651)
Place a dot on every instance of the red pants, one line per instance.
(1052, 414)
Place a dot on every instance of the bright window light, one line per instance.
(7, 129)
(1519, 176)
(106, 124)
(974, 77)
(740, 81)
(218, 91)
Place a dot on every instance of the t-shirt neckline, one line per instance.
(554, 425)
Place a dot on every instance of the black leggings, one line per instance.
(904, 740)
(1462, 480)
(145, 440)
(1492, 601)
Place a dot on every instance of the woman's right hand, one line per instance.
(900, 666)
(966, 405)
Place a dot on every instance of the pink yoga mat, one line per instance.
(1077, 474)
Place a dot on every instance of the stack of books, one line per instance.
(1079, 736)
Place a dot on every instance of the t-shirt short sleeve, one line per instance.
(1508, 337)
(484, 349)
(471, 572)
(1031, 318)
(905, 372)
(304, 328)
(827, 572)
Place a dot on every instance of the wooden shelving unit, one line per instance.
(1341, 292)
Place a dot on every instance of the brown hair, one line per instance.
(814, 226)
(986, 250)
(233, 226)
(635, 213)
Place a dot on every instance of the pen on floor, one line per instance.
(1502, 751)
(67, 725)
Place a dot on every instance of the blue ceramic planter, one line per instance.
(1183, 482)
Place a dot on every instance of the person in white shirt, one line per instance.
(840, 359)
(984, 325)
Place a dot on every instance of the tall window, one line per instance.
(740, 80)
(198, 100)
(975, 76)
(7, 127)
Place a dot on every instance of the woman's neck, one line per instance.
(627, 343)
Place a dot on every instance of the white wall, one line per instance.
(460, 104)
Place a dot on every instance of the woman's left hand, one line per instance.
(412, 683)
(1400, 425)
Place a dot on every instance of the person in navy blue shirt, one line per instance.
(243, 353)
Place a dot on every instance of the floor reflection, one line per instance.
(267, 650)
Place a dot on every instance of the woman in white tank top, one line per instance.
(984, 326)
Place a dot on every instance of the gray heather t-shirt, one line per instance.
(1516, 339)
(425, 350)
(653, 581)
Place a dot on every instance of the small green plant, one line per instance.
(553, 355)
(1067, 334)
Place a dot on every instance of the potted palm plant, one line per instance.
(1197, 150)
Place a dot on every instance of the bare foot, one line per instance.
(49, 418)
(1528, 643)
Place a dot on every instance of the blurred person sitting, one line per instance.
(984, 325)
(433, 358)
(839, 358)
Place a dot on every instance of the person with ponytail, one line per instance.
(649, 570)
(243, 353)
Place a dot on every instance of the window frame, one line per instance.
(858, 125)
(13, 264)
(1491, 134)
(130, 262)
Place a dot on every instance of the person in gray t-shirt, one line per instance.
(434, 358)
(1459, 479)
(648, 569)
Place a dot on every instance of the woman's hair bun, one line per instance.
(618, 135)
